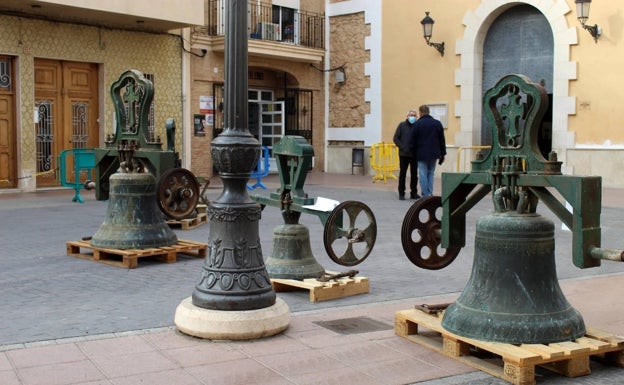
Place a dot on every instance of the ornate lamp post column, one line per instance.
(234, 298)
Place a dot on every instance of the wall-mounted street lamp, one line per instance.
(340, 73)
(582, 12)
(427, 24)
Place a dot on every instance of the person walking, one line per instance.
(429, 147)
(403, 138)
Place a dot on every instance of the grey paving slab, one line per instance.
(48, 296)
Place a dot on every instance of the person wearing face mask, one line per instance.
(404, 140)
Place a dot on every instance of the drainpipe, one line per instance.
(187, 124)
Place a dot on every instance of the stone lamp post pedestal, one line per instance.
(233, 298)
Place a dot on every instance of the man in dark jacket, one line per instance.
(403, 138)
(429, 147)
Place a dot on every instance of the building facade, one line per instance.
(58, 60)
(285, 77)
(341, 73)
(484, 40)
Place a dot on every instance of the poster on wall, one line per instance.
(439, 111)
(198, 124)
(206, 107)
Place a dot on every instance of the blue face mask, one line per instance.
(411, 119)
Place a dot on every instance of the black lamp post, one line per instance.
(582, 12)
(234, 276)
(427, 24)
(233, 297)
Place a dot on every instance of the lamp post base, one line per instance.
(231, 325)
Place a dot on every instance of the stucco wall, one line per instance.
(412, 72)
(598, 119)
(605, 162)
(587, 120)
(178, 11)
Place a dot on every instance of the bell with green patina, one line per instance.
(513, 295)
(292, 255)
(133, 219)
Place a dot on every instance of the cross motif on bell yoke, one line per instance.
(131, 97)
(513, 111)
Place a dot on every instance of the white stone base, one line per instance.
(231, 325)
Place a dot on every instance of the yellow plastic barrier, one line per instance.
(384, 160)
(463, 163)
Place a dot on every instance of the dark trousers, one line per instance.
(404, 163)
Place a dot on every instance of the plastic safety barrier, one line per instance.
(384, 160)
(262, 169)
(84, 159)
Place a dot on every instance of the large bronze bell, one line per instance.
(513, 295)
(133, 219)
(292, 255)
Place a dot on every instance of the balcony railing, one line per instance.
(272, 23)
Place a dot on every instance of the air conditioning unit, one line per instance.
(270, 31)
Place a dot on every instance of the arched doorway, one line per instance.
(470, 75)
(520, 41)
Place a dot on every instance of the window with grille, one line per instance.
(5, 75)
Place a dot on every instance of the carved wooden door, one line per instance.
(66, 102)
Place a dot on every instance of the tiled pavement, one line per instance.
(70, 321)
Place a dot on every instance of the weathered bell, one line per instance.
(513, 295)
(292, 256)
(133, 219)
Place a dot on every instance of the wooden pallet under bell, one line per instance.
(323, 291)
(128, 258)
(513, 363)
(190, 223)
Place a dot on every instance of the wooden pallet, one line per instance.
(188, 223)
(512, 363)
(129, 258)
(191, 223)
(323, 291)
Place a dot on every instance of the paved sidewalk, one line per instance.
(69, 321)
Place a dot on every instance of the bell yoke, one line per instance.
(349, 231)
(139, 177)
(513, 295)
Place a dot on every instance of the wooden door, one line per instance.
(8, 161)
(67, 104)
(80, 105)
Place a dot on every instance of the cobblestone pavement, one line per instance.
(49, 298)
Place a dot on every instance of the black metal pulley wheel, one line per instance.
(420, 235)
(350, 233)
(177, 193)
